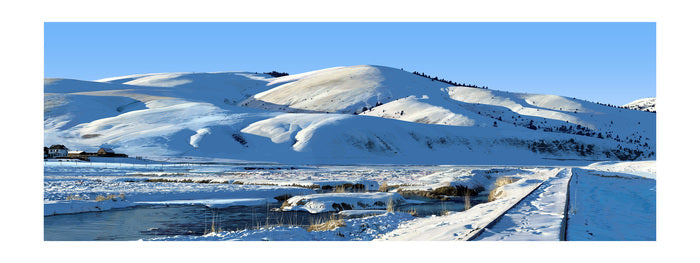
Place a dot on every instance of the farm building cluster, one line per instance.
(59, 151)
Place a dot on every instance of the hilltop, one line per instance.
(646, 104)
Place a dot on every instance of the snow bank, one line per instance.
(538, 217)
(467, 224)
(213, 203)
(360, 229)
(318, 203)
(608, 206)
(80, 206)
(645, 169)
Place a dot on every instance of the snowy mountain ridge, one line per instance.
(342, 115)
(646, 104)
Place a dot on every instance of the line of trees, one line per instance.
(625, 107)
(277, 74)
(449, 81)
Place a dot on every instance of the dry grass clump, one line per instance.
(390, 205)
(339, 189)
(504, 181)
(74, 197)
(411, 211)
(444, 210)
(283, 198)
(287, 203)
(497, 191)
(331, 223)
(384, 187)
(467, 203)
(100, 198)
(187, 180)
(495, 194)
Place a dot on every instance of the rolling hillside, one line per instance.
(343, 115)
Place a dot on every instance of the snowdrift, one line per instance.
(318, 203)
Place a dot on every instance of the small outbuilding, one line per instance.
(57, 150)
(105, 152)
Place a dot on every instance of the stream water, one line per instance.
(144, 222)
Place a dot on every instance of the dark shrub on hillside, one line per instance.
(277, 74)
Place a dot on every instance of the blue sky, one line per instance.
(605, 62)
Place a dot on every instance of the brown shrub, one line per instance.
(324, 224)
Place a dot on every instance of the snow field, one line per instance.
(606, 206)
(645, 169)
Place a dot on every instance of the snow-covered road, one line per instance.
(611, 206)
(539, 216)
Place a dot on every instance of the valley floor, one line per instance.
(601, 201)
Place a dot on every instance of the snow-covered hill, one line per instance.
(357, 114)
(646, 104)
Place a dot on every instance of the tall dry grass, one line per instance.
(339, 189)
(467, 203)
(390, 205)
(384, 187)
(497, 191)
(112, 197)
(324, 224)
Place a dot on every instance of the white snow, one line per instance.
(538, 217)
(646, 104)
(217, 115)
(645, 169)
(413, 110)
(532, 208)
(86, 181)
(607, 206)
(317, 203)
(360, 229)
(356, 115)
(465, 225)
(195, 139)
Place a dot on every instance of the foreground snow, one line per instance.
(361, 229)
(645, 169)
(318, 203)
(466, 225)
(611, 206)
(539, 216)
